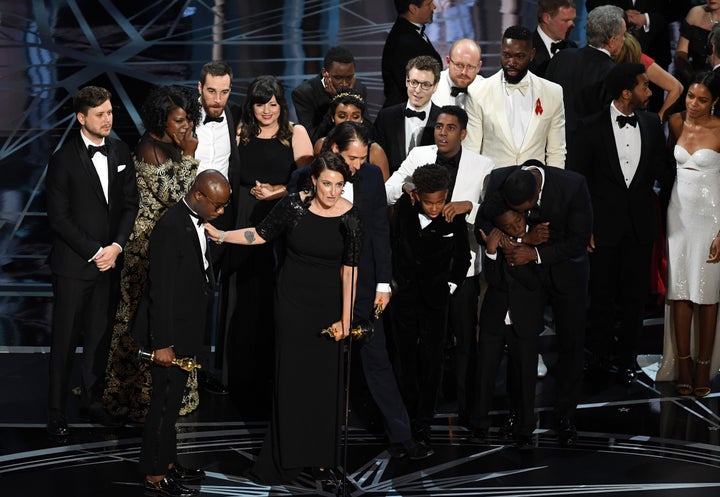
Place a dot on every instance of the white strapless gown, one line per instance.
(693, 220)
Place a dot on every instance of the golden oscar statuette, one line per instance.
(186, 363)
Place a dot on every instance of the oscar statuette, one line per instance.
(185, 363)
(361, 331)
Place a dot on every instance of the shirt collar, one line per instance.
(542, 183)
(87, 141)
(547, 41)
(426, 108)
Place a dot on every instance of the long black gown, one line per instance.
(306, 416)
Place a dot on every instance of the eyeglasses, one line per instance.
(216, 205)
(425, 85)
(461, 67)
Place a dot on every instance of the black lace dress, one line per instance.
(306, 417)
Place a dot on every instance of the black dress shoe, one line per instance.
(507, 430)
(627, 376)
(97, 414)
(186, 475)
(57, 427)
(419, 451)
(479, 436)
(167, 487)
(567, 433)
(211, 384)
(524, 443)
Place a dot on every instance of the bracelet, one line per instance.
(222, 237)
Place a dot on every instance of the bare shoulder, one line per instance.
(696, 15)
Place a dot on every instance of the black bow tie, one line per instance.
(92, 149)
(210, 119)
(413, 113)
(623, 120)
(558, 45)
(198, 220)
(455, 91)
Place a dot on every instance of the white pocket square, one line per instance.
(449, 235)
(121, 168)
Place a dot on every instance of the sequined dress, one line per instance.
(128, 388)
(693, 221)
(306, 417)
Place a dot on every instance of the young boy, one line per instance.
(512, 315)
(431, 256)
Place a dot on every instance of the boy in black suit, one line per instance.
(430, 259)
(512, 316)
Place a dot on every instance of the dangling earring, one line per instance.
(712, 110)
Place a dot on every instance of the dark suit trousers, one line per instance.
(80, 307)
(420, 340)
(619, 284)
(569, 307)
(463, 318)
(522, 355)
(380, 376)
(159, 447)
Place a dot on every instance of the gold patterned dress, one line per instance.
(164, 175)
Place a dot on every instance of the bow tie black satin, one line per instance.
(198, 220)
(623, 120)
(210, 119)
(558, 45)
(455, 91)
(92, 149)
(413, 113)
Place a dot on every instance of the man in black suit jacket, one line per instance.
(556, 19)
(180, 287)
(558, 206)
(312, 98)
(406, 40)
(373, 286)
(714, 42)
(92, 201)
(581, 72)
(621, 152)
(401, 127)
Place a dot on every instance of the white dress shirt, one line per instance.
(213, 151)
(414, 126)
(519, 110)
(628, 143)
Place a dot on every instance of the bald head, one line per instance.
(209, 194)
(463, 62)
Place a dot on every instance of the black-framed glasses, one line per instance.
(216, 205)
(425, 85)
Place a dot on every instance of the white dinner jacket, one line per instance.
(473, 170)
(489, 131)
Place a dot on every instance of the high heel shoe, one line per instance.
(684, 388)
(702, 391)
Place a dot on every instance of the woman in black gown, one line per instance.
(315, 286)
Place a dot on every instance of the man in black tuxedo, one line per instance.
(406, 40)
(92, 201)
(648, 21)
(312, 98)
(621, 152)
(181, 285)
(557, 203)
(366, 191)
(556, 19)
(581, 72)
(217, 150)
(714, 42)
(399, 128)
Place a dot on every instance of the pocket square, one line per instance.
(449, 235)
(121, 168)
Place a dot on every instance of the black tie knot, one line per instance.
(456, 90)
(414, 113)
(623, 120)
(558, 45)
(92, 149)
(210, 119)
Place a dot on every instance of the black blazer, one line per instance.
(375, 265)
(425, 260)
(516, 288)
(542, 57)
(178, 290)
(389, 132)
(402, 44)
(312, 102)
(620, 210)
(565, 204)
(81, 220)
(581, 73)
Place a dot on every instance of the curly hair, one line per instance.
(347, 96)
(261, 91)
(431, 178)
(162, 100)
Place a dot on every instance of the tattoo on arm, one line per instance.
(249, 237)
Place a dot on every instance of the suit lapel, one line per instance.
(358, 188)
(89, 169)
(192, 233)
(399, 119)
(608, 136)
(501, 111)
(644, 149)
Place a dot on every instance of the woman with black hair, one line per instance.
(165, 167)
